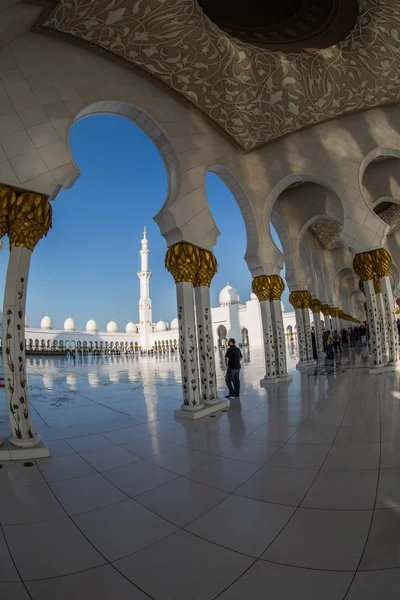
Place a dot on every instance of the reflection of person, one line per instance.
(233, 357)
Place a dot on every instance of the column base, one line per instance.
(29, 443)
(205, 411)
(378, 369)
(10, 452)
(305, 364)
(388, 368)
(267, 381)
(394, 363)
(214, 402)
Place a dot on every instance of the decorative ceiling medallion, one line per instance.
(253, 94)
(287, 25)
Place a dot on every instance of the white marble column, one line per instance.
(383, 328)
(13, 339)
(392, 335)
(280, 341)
(373, 323)
(208, 378)
(192, 401)
(327, 320)
(268, 342)
(307, 332)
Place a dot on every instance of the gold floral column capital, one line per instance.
(261, 287)
(30, 218)
(183, 262)
(300, 299)
(316, 305)
(7, 198)
(381, 260)
(207, 269)
(277, 287)
(377, 285)
(334, 312)
(364, 266)
(326, 310)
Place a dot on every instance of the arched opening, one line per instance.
(228, 205)
(222, 335)
(245, 337)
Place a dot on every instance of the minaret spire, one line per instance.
(145, 311)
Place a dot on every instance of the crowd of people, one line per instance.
(333, 341)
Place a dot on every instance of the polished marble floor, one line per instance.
(293, 493)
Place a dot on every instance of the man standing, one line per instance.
(233, 357)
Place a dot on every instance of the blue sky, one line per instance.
(86, 267)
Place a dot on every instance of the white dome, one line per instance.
(91, 326)
(69, 324)
(46, 323)
(175, 323)
(161, 326)
(26, 319)
(253, 296)
(131, 328)
(112, 327)
(228, 295)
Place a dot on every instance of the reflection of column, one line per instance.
(26, 219)
(316, 306)
(208, 377)
(364, 268)
(382, 261)
(300, 301)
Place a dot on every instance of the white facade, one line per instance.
(230, 319)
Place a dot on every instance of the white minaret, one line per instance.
(145, 312)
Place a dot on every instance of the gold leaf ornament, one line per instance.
(30, 219)
(377, 285)
(381, 260)
(7, 198)
(316, 305)
(326, 310)
(300, 299)
(364, 266)
(183, 262)
(277, 287)
(207, 269)
(261, 287)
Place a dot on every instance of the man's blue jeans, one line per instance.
(233, 381)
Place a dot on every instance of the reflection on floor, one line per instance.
(293, 493)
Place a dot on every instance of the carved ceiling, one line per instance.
(391, 215)
(255, 95)
(328, 233)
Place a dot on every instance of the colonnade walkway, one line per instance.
(294, 492)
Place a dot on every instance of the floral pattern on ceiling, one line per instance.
(328, 233)
(254, 95)
(391, 216)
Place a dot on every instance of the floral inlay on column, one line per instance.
(382, 261)
(26, 218)
(364, 267)
(182, 261)
(208, 379)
